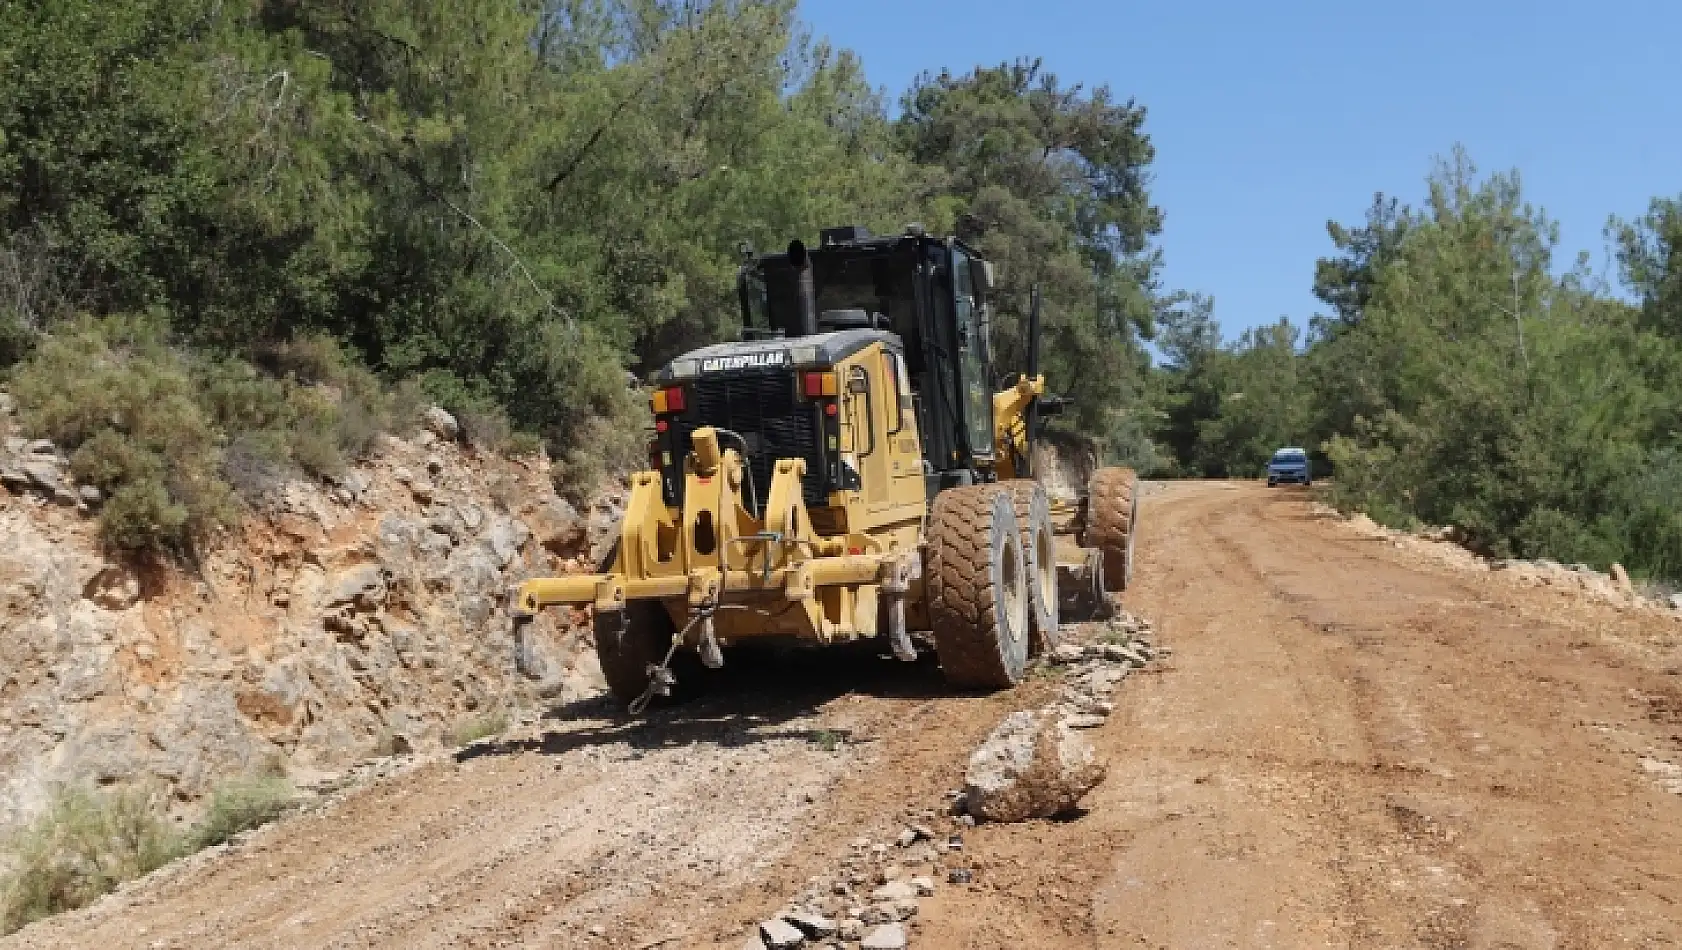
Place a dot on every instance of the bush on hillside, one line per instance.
(239, 805)
(87, 842)
(125, 405)
(178, 440)
(82, 846)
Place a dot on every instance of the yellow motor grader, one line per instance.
(844, 471)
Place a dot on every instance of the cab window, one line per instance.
(897, 389)
(978, 399)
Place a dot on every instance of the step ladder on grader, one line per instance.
(845, 471)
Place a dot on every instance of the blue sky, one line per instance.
(1271, 118)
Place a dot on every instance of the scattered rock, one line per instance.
(1122, 654)
(354, 485)
(1668, 775)
(1620, 579)
(810, 924)
(364, 586)
(923, 885)
(1031, 766)
(42, 474)
(753, 943)
(893, 891)
(885, 937)
(779, 934)
(850, 928)
(90, 495)
(442, 423)
(1676, 601)
(881, 912)
(40, 447)
(505, 538)
(114, 588)
(1084, 721)
(960, 876)
(1066, 653)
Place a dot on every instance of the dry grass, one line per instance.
(479, 727)
(87, 842)
(82, 846)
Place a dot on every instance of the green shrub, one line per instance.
(313, 437)
(405, 406)
(17, 339)
(87, 842)
(256, 465)
(605, 446)
(308, 358)
(361, 417)
(141, 516)
(484, 426)
(177, 441)
(115, 395)
(111, 459)
(240, 399)
(82, 846)
(241, 805)
(522, 444)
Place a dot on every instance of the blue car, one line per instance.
(1289, 465)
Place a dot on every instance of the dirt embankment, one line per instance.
(1349, 746)
(342, 621)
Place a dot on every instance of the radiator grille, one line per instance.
(763, 408)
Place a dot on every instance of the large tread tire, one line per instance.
(1039, 554)
(629, 641)
(976, 583)
(1112, 514)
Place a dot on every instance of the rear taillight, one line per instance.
(670, 399)
(818, 385)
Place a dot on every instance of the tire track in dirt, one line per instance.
(1349, 749)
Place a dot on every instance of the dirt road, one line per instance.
(1349, 747)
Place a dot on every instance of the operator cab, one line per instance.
(929, 292)
(805, 312)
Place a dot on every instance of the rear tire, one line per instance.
(1039, 554)
(977, 586)
(1112, 511)
(629, 641)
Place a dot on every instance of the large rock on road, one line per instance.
(1032, 766)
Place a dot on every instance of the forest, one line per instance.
(240, 240)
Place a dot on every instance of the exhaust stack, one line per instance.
(802, 263)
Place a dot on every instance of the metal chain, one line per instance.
(658, 675)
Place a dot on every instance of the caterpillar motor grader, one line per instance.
(845, 470)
